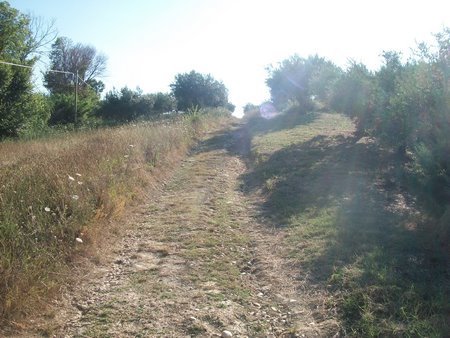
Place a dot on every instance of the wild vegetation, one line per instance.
(404, 106)
(364, 197)
(350, 229)
(55, 191)
(353, 166)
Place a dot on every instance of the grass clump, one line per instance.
(53, 190)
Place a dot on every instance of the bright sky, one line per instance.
(149, 41)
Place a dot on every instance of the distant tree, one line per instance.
(63, 107)
(296, 80)
(163, 102)
(354, 95)
(74, 58)
(126, 105)
(96, 85)
(250, 107)
(20, 41)
(70, 57)
(198, 90)
(324, 76)
(231, 107)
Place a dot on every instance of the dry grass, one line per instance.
(53, 191)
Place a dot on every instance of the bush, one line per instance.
(128, 105)
(353, 95)
(198, 90)
(63, 111)
(36, 124)
(297, 81)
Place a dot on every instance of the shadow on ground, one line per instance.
(353, 228)
(236, 141)
(283, 121)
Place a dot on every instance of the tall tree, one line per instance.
(17, 44)
(198, 90)
(65, 56)
(70, 57)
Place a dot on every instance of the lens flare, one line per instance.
(268, 110)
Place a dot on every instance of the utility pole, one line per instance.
(54, 71)
(76, 98)
(75, 75)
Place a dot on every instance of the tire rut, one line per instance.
(198, 262)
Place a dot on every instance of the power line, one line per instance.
(30, 67)
(15, 64)
(75, 75)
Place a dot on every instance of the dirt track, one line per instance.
(199, 261)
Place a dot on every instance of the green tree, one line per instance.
(15, 82)
(164, 102)
(37, 123)
(198, 90)
(250, 107)
(88, 64)
(128, 105)
(63, 107)
(353, 94)
(296, 81)
(75, 58)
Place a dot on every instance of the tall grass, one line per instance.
(53, 190)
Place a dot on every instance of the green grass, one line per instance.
(350, 224)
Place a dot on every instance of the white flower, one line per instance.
(79, 240)
(71, 178)
(75, 197)
(47, 209)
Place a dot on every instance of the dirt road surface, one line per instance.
(199, 261)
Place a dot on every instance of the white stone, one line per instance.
(226, 334)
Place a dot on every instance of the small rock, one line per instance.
(226, 334)
(81, 307)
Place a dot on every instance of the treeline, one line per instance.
(74, 97)
(404, 105)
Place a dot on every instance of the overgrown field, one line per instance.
(54, 193)
(353, 226)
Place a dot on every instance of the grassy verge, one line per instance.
(53, 191)
(351, 226)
